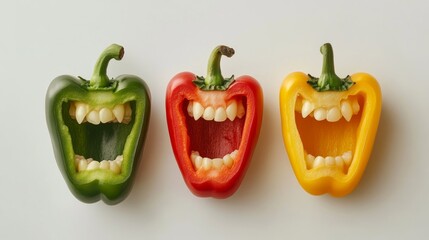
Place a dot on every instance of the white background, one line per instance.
(43, 39)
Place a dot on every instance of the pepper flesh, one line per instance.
(304, 135)
(103, 141)
(187, 134)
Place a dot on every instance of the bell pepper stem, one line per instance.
(214, 75)
(328, 75)
(328, 80)
(99, 77)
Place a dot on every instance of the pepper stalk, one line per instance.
(214, 79)
(99, 77)
(328, 80)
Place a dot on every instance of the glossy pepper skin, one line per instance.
(329, 126)
(202, 141)
(99, 119)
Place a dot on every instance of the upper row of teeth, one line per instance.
(347, 108)
(83, 164)
(234, 109)
(206, 163)
(82, 112)
(339, 161)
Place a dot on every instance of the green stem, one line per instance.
(328, 76)
(99, 77)
(214, 75)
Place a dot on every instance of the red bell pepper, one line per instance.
(214, 125)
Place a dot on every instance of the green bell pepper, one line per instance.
(98, 128)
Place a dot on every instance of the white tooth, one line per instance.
(329, 161)
(347, 156)
(220, 114)
(217, 163)
(198, 162)
(307, 108)
(339, 162)
(207, 163)
(319, 162)
(104, 164)
(119, 111)
(333, 114)
(93, 165)
(346, 110)
(209, 113)
(82, 165)
(194, 154)
(106, 115)
(114, 167)
(93, 117)
(320, 114)
(119, 163)
(127, 113)
(240, 109)
(355, 106)
(231, 110)
(89, 160)
(81, 111)
(72, 110)
(228, 161)
(77, 159)
(310, 160)
(190, 108)
(198, 110)
(119, 158)
(234, 154)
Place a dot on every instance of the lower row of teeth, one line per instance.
(83, 164)
(339, 161)
(206, 163)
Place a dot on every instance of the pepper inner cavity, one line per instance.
(328, 133)
(98, 139)
(214, 132)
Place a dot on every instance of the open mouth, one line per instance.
(215, 133)
(98, 134)
(328, 132)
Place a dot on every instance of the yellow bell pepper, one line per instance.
(329, 125)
